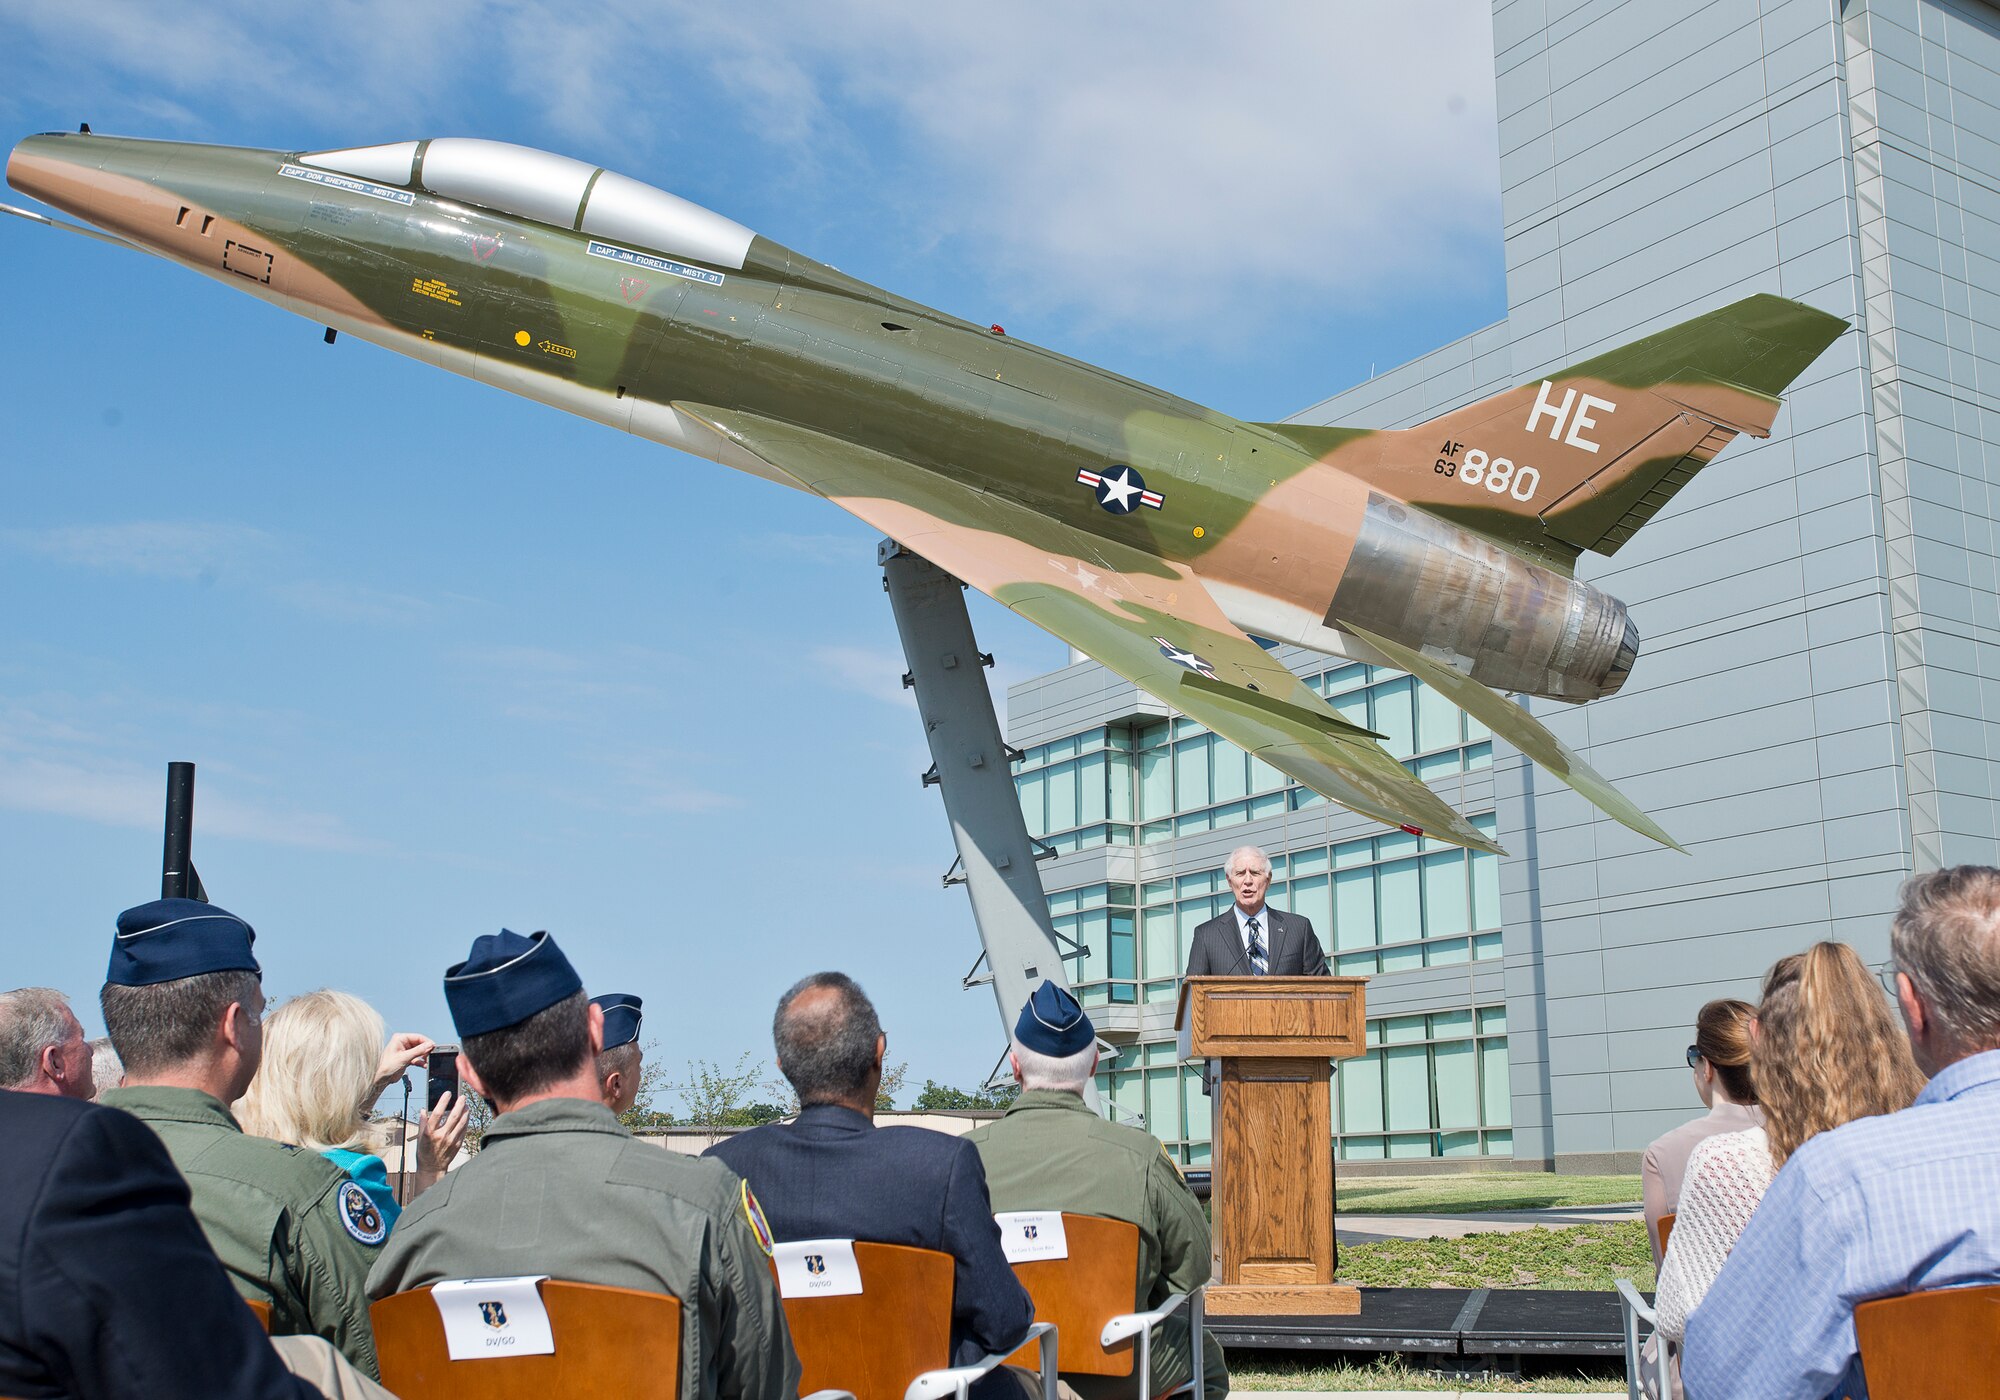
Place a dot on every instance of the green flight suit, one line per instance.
(1050, 1152)
(282, 1220)
(560, 1187)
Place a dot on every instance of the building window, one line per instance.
(1429, 1086)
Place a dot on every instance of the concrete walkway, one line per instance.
(1364, 1229)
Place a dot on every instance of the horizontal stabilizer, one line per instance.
(1520, 729)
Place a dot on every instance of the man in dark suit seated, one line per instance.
(832, 1174)
(108, 1288)
(1253, 939)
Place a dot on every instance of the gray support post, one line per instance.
(973, 771)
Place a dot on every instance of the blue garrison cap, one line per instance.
(506, 979)
(169, 939)
(621, 1017)
(1053, 1022)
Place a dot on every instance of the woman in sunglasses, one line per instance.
(1720, 1059)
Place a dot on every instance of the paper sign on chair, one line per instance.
(1032, 1234)
(494, 1317)
(816, 1268)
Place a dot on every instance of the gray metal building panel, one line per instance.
(1814, 710)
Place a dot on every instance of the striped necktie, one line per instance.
(1258, 965)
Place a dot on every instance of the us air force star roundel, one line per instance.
(1121, 490)
(1193, 661)
(359, 1216)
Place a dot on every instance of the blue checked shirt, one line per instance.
(1875, 1207)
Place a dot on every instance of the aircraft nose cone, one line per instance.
(98, 178)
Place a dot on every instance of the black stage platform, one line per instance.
(1475, 1322)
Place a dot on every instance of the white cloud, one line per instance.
(865, 671)
(1196, 170)
(114, 792)
(192, 551)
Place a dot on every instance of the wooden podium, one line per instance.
(1271, 1182)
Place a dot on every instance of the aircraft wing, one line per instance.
(1150, 620)
(1520, 729)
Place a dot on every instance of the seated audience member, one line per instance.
(618, 1063)
(108, 1289)
(832, 1174)
(184, 1002)
(42, 1049)
(1824, 1051)
(559, 1187)
(1720, 1059)
(105, 1070)
(1880, 1206)
(327, 1058)
(1053, 1152)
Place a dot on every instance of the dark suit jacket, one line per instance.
(1288, 938)
(108, 1288)
(832, 1174)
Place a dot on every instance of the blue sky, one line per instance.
(448, 660)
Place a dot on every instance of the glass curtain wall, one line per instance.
(1431, 1085)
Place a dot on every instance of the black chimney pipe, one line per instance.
(178, 879)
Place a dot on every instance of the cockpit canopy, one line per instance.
(550, 189)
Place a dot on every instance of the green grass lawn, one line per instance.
(1451, 1195)
(1577, 1256)
(1275, 1370)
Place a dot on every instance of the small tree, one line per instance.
(892, 1085)
(652, 1080)
(714, 1095)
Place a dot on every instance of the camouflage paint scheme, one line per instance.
(1446, 550)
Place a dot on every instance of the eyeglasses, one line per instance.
(1694, 1057)
(1889, 974)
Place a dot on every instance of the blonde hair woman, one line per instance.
(327, 1058)
(1824, 1050)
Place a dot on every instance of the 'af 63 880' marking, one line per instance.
(1498, 475)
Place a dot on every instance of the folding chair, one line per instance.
(1636, 1310)
(1088, 1296)
(1942, 1341)
(263, 1311)
(599, 1333)
(1666, 1229)
(892, 1339)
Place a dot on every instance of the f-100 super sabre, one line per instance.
(1171, 542)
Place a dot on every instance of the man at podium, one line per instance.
(1253, 939)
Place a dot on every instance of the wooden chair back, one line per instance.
(875, 1342)
(263, 1311)
(1943, 1341)
(602, 1335)
(1666, 1229)
(1098, 1281)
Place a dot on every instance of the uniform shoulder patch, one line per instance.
(754, 1213)
(359, 1216)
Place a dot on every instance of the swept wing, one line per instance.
(1146, 618)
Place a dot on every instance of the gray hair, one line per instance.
(1229, 868)
(1069, 1073)
(827, 1051)
(1946, 937)
(618, 1059)
(170, 1023)
(31, 1020)
(105, 1070)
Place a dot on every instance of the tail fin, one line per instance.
(1583, 458)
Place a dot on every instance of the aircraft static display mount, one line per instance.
(1162, 538)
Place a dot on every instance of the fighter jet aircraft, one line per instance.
(1171, 542)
